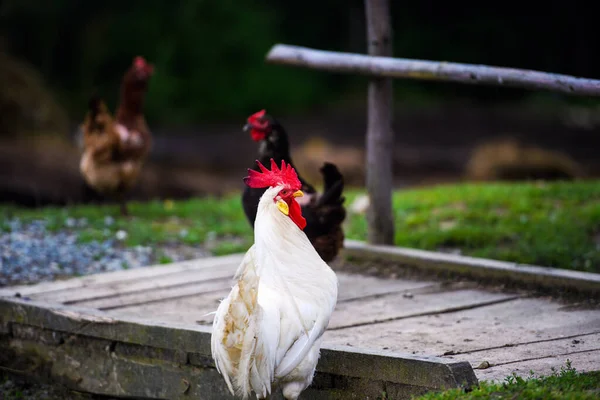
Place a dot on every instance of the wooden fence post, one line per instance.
(380, 137)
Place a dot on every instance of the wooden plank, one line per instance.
(520, 275)
(187, 310)
(151, 297)
(125, 288)
(132, 275)
(174, 281)
(355, 286)
(582, 362)
(398, 306)
(531, 350)
(430, 372)
(204, 278)
(192, 308)
(517, 321)
(347, 313)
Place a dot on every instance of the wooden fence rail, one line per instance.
(430, 70)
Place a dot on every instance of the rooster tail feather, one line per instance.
(222, 361)
(234, 329)
(252, 312)
(243, 379)
(258, 381)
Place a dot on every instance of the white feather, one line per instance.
(269, 329)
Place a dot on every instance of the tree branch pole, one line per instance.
(430, 70)
(380, 137)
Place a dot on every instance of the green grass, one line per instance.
(551, 224)
(567, 384)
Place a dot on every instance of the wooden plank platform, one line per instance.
(137, 332)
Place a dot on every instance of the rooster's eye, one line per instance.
(284, 192)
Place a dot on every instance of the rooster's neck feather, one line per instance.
(279, 241)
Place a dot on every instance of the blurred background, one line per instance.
(210, 75)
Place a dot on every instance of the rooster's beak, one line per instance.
(298, 193)
(247, 127)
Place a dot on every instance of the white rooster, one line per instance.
(268, 331)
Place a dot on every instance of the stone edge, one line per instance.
(429, 372)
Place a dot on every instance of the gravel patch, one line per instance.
(30, 253)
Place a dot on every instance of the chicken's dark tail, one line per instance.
(333, 182)
(325, 219)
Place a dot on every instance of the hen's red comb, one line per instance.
(256, 120)
(139, 62)
(285, 176)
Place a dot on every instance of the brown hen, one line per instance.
(115, 149)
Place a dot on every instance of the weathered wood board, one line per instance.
(382, 336)
(518, 335)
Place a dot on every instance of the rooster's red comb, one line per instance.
(256, 119)
(286, 175)
(257, 115)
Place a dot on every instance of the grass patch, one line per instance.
(164, 259)
(567, 384)
(551, 224)
(229, 247)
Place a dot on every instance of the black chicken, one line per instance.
(324, 212)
